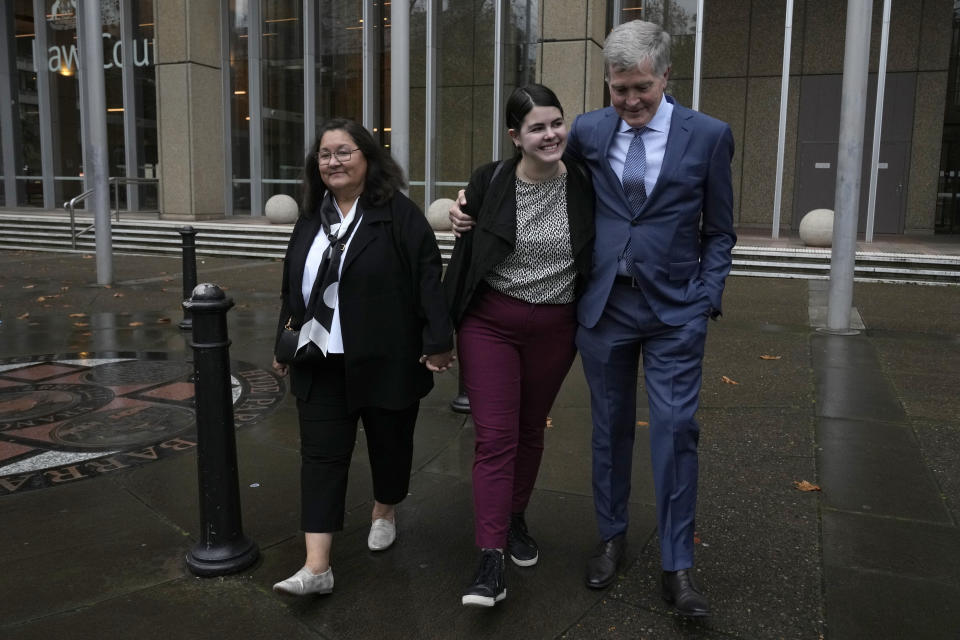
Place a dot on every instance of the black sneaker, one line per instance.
(523, 549)
(487, 588)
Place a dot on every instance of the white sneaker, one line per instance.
(383, 533)
(304, 582)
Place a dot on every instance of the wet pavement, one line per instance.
(99, 504)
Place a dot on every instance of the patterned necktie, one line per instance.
(634, 171)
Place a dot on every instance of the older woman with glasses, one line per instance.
(361, 281)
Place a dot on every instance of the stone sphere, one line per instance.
(816, 228)
(438, 214)
(281, 209)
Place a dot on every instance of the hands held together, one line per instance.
(438, 362)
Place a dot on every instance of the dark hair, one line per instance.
(384, 175)
(523, 99)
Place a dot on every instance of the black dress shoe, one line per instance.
(602, 567)
(681, 591)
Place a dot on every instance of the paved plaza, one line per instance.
(99, 498)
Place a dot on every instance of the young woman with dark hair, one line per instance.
(511, 286)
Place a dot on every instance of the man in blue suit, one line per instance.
(662, 254)
(664, 234)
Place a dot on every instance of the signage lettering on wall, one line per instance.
(63, 59)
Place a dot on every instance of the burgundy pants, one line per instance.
(514, 356)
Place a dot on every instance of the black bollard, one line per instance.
(222, 548)
(188, 235)
(460, 404)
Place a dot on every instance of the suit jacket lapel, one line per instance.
(299, 252)
(677, 140)
(363, 234)
(607, 132)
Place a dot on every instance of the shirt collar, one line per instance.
(660, 121)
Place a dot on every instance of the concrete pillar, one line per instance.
(571, 53)
(189, 109)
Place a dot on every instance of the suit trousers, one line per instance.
(328, 433)
(514, 356)
(672, 361)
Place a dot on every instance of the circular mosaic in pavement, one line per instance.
(21, 405)
(77, 416)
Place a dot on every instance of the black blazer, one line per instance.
(391, 304)
(491, 200)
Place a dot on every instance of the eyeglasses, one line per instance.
(343, 155)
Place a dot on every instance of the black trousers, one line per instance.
(328, 433)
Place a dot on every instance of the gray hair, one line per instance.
(630, 43)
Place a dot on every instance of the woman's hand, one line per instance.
(438, 362)
(281, 369)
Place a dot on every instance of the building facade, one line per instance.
(211, 104)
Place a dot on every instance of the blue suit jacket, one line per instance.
(682, 238)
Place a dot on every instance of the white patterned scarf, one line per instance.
(323, 295)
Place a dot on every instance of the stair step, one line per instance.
(50, 232)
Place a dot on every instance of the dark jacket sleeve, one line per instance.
(419, 245)
(455, 280)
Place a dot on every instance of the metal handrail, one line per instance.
(116, 180)
(71, 205)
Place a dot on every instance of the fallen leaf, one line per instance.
(23, 316)
(163, 289)
(81, 324)
(729, 380)
(86, 334)
(29, 286)
(108, 286)
(87, 257)
(766, 357)
(64, 288)
(78, 315)
(41, 299)
(168, 279)
(118, 295)
(163, 320)
(549, 422)
(803, 485)
(642, 423)
(696, 538)
(136, 324)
